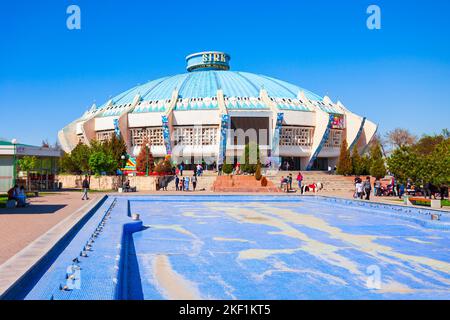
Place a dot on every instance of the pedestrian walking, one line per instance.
(194, 182)
(367, 188)
(299, 181)
(86, 187)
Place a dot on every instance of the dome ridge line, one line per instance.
(246, 79)
(279, 84)
(154, 86)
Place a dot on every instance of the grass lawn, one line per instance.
(3, 199)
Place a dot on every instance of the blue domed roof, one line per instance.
(198, 89)
(206, 83)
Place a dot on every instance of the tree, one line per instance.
(145, 159)
(80, 157)
(164, 166)
(258, 174)
(357, 162)
(403, 164)
(117, 147)
(399, 137)
(227, 168)
(365, 165)
(344, 166)
(377, 166)
(251, 158)
(436, 167)
(427, 144)
(27, 164)
(67, 164)
(101, 162)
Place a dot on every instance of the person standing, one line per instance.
(290, 181)
(86, 187)
(299, 181)
(194, 182)
(377, 187)
(367, 188)
(181, 167)
(186, 183)
(358, 189)
(181, 187)
(177, 183)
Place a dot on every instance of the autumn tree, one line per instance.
(344, 165)
(145, 159)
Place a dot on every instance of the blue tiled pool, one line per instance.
(250, 247)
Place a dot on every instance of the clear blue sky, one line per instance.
(398, 76)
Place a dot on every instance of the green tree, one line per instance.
(251, 158)
(227, 168)
(67, 165)
(80, 157)
(101, 162)
(357, 162)
(377, 166)
(344, 165)
(403, 164)
(27, 164)
(436, 167)
(117, 148)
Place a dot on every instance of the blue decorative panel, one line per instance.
(224, 123)
(276, 160)
(116, 127)
(166, 134)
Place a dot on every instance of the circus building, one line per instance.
(195, 115)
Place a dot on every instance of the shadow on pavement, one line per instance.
(34, 209)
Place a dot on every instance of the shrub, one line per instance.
(258, 174)
(250, 160)
(264, 182)
(227, 168)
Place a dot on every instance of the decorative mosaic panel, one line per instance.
(297, 136)
(154, 135)
(196, 136)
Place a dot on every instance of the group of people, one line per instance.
(183, 183)
(286, 184)
(18, 195)
(362, 188)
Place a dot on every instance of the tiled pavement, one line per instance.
(21, 226)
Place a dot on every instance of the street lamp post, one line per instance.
(147, 156)
(14, 142)
(123, 157)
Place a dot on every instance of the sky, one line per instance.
(398, 76)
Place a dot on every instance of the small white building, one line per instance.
(41, 178)
(197, 115)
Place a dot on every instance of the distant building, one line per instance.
(41, 178)
(195, 114)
